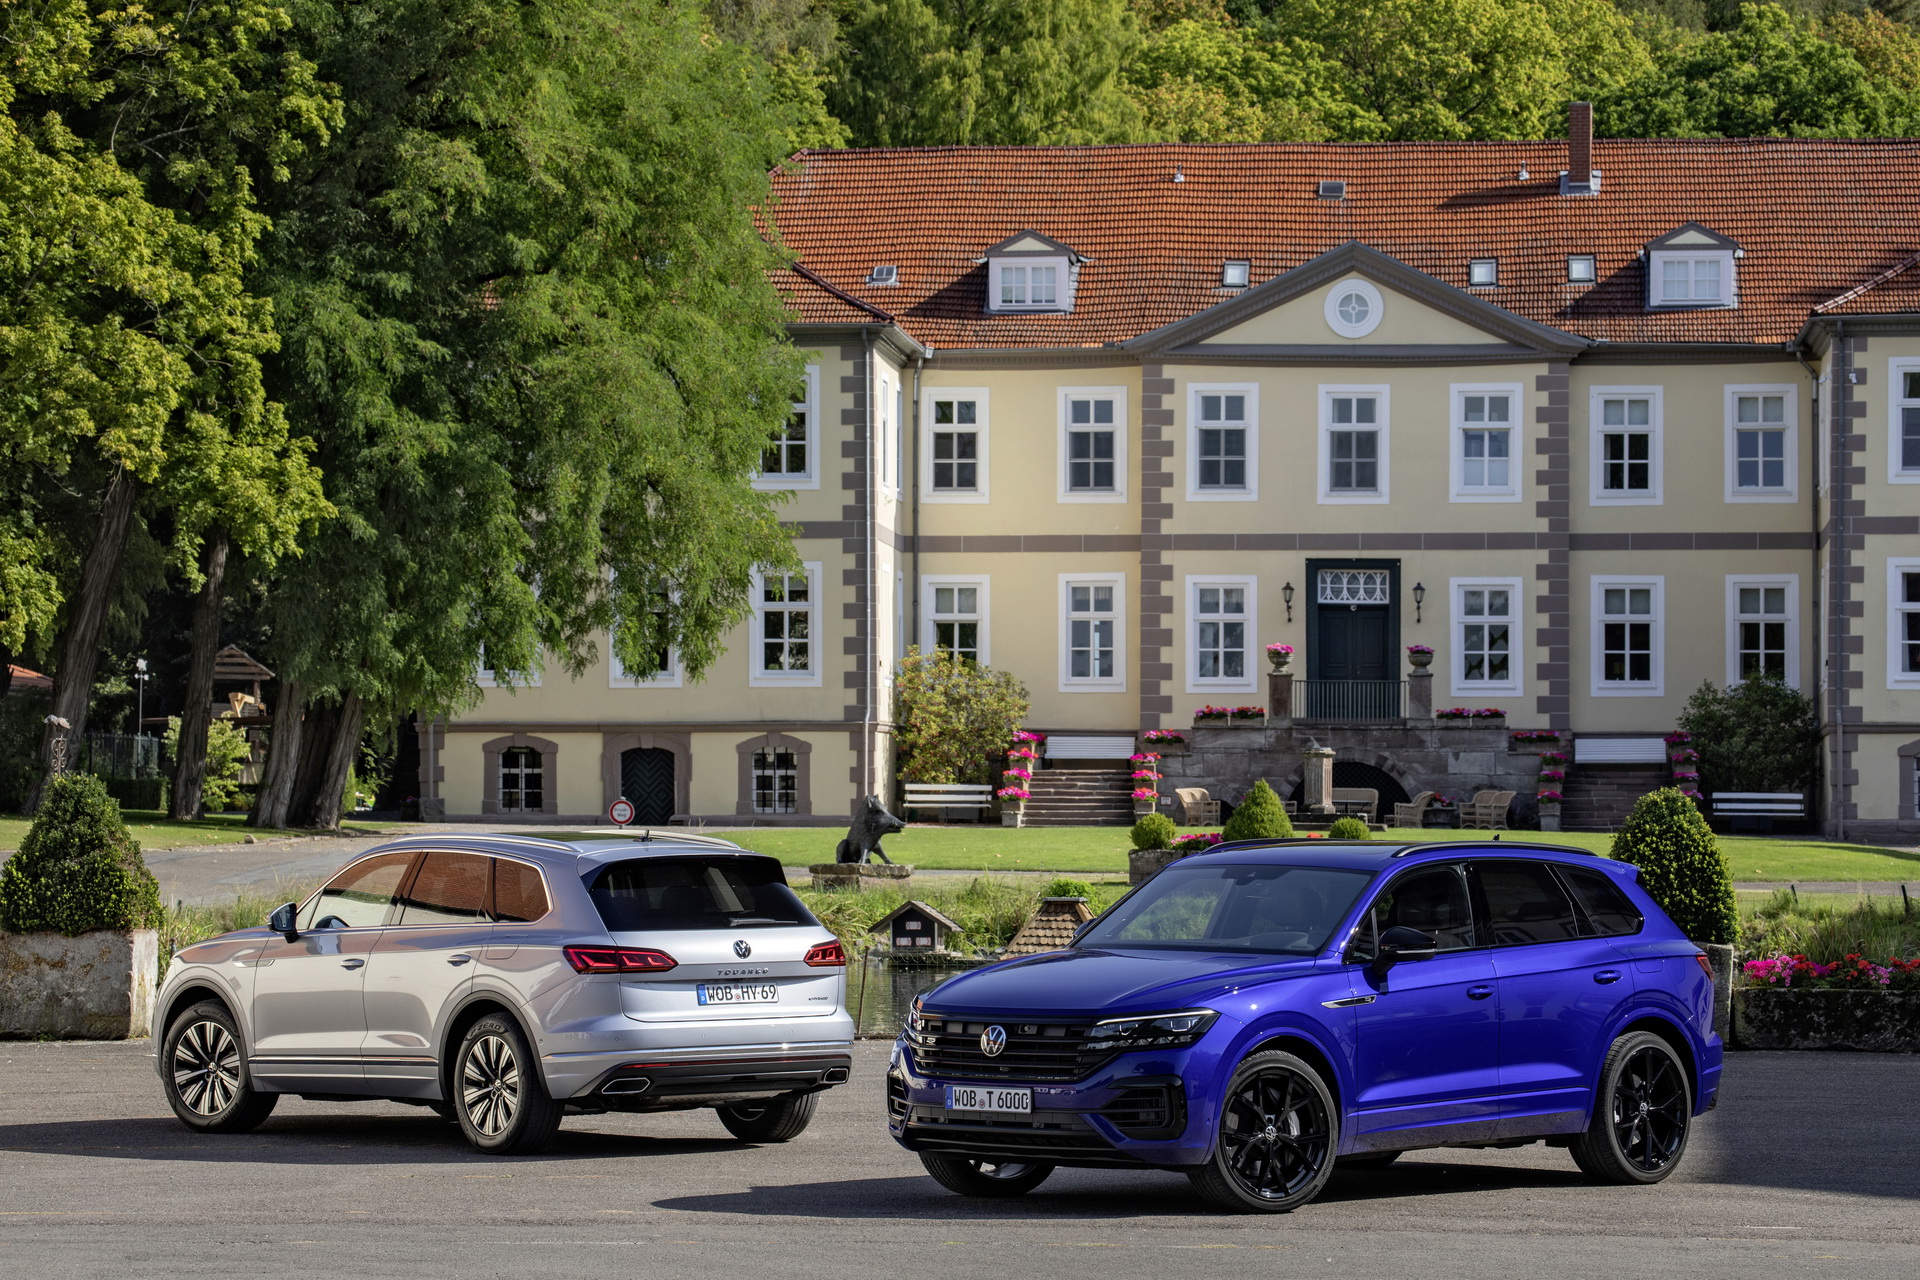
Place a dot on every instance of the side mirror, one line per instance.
(1399, 945)
(281, 921)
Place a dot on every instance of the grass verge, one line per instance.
(156, 832)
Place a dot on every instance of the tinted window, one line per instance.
(1433, 900)
(518, 893)
(358, 897)
(1290, 910)
(450, 889)
(695, 893)
(1525, 904)
(1609, 911)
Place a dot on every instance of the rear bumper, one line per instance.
(654, 1081)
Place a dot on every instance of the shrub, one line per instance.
(1259, 817)
(1758, 735)
(1155, 831)
(227, 754)
(1680, 863)
(1348, 829)
(77, 869)
(953, 717)
(1065, 888)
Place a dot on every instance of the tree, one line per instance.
(1199, 81)
(1681, 866)
(1260, 816)
(952, 717)
(1758, 735)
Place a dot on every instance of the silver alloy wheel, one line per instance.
(206, 1068)
(490, 1085)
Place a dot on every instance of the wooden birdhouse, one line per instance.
(1051, 927)
(916, 927)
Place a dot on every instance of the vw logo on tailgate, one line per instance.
(993, 1040)
(741, 949)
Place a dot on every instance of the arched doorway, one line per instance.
(646, 779)
(1352, 773)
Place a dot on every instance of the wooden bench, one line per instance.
(1758, 810)
(941, 796)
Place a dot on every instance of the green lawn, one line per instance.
(1104, 849)
(154, 832)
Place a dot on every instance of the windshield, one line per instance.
(1284, 910)
(719, 892)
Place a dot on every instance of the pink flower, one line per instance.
(1145, 793)
(1013, 793)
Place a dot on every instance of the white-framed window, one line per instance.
(1762, 444)
(667, 676)
(1353, 444)
(1903, 421)
(1222, 615)
(954, 452)
(1690, 280)
(1580, 268)
(1093, 631)
(791, 460)
(776, 781)
(1354, 586)
(1903, 623)
(1486, 636)
(1093, 444)
(1763, 627)
(787, 646)
(1028, 284)
(886, 431)
(488, 678)
(1353, 308)
(1626, 462)
(1223, 442)
(1485, 459)
(1628, 637)
(954, 615)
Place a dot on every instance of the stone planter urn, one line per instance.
(1280, 661)
(1549, 815)
(1013, 813)
(97, 986)
(1420, 661)
(1141, 808)
(1814, 1018)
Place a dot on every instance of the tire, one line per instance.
(501, 1102)
(775, 1120)
(984, 1179)
(1642, 1114)
(206, 1078)
(1278, 1131)
(1368, 1160)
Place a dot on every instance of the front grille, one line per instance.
(950, 1048)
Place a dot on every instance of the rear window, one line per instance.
(1610, 911)
(648, 894)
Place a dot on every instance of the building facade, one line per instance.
(1596, 422)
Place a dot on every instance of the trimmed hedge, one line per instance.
(77, 869)
(1348, 828)
(138, 793)
(1259, 817)
(1155, 831)
(1681, 866)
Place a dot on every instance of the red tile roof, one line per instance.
(1816, 218)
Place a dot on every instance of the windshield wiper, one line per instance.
(756, 920)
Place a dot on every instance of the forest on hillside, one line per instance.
(874, 73)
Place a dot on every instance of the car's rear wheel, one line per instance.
(1278, 1131)
(206, 1075)
(1641, 1117)
(775, 1120)
(502, 1104)
(987, 1178)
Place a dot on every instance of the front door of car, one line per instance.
(308, 1016)
(1560, 988)
(424, 963)
(1427, 1042)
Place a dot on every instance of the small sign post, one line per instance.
(620, 812)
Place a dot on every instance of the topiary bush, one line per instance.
(1259, 817)
(1065, 888)
(1681, 866)
(77, 869)
(1155, 831)
(1348, 829)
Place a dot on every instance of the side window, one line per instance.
(358, 897)
(1525, 904)
(450, 889)
(1609, 911)
(1433, 900)
(519, 895)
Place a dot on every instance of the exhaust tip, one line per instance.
(627, 1085)
(834, 1075)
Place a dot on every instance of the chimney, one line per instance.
(1580, 178)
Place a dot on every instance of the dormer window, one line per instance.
(1031, 272)
(1483, 273)
(1034, 286)
(880, 277)
(1692, 267)
(1234, 274)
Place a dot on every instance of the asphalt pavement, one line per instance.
(1806, 1169)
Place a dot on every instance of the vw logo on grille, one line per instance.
(741, 949)
(993, 1040)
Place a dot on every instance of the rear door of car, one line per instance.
(424, 963)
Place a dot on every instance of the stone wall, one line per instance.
(98, 986)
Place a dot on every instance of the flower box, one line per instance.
(1815, 1018)
(96, 986)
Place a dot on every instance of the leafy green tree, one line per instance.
(225, 750)
(1154, 831)
(1260, 816)
(1681, 866)
(77, 869)
(1758, 735)
(952, 717)
(1201, 81)
(1888, 50)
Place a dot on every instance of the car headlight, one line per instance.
(915, 1022)
(1150, 1031)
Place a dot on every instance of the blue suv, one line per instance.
(1256, 1015)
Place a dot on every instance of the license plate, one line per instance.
(737, 993)
(963, 1097)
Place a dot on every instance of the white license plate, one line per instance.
(737, 993)
(964, 1097)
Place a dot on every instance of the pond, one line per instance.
(880, 993)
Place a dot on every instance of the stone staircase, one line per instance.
(1080, 798)
(1600, 796)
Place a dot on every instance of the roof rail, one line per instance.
(1274, 842)
(1482, 844)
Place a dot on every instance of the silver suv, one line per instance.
(505, 981)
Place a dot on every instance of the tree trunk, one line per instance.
(337, 763)
(86, 619)
(315, 738)
(270, 805)
(190, 758)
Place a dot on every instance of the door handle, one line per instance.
(1479, 993)
(462, 958)
(1606, 976)
(352, 962)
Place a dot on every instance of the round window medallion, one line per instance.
(1353, 308)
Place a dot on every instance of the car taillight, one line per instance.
(1706, 965)
(827, 955)
(618, 960)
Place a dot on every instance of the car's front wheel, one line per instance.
(775, 1120)
(1641, 1116)
(206, 1075)
(988, 1178)
(501, 1102)
(1278, 1131)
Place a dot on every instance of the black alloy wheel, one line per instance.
(991, 1179)
(1278, 1133)
(1643, 1114)
(207, 1082)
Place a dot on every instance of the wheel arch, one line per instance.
(192, 992)
(1296, 1042)
(1677, 1039)
(475, 1007)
